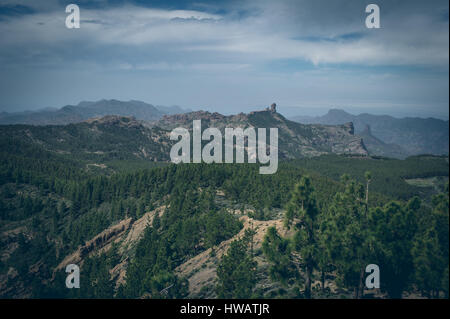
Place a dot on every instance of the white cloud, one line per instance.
(203, 35)
(229, 60)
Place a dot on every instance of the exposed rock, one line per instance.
(201, 269)
(350, 127)
(96, 243)
(138, 227)
(273, 108)
(126, 233)
(403, 137)
(295, 139)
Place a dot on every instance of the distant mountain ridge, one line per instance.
(380, 148)
(85, 110)
(382, 134)
(402, 137)
(109, 138)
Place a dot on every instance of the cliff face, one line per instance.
(402, 137)
(375, 146)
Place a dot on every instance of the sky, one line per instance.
(228, 56)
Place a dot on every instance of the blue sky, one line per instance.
(228, 56)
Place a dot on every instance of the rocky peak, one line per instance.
(350, 128)
(273, 108)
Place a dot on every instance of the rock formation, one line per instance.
(273, 108)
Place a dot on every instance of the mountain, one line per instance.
(415, 135)
(295, 140)
(95, 140)
(174, 109)
(100, 140)
(85, 110)
(378, 147)
(82, 194)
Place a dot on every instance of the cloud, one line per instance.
(275, 31)
(14, 10)
(235, 52)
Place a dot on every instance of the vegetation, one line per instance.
(51, 204)
(236, 270)
(407, 240)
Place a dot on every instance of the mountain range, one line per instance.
(101, 140)
(99, 194)
(295, 139)
(85, 110)
(381, 135)
(390, 136)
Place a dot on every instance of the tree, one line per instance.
(236, 271)
(368, 176)
(394, 227)
(278, 252)
(350, 243)
(156, 223)
(431, 250)
(302, 211)
(140, 209)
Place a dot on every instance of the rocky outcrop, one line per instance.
(97, 243)
(273, 108)
(201, 269)
(295, 139)
(403, 136)
(126, 234)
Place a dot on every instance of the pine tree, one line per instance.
(431, 250)
(302, 211)
(349, 240)
(236, 271)
(394, 227)
(278, 250)
(156, 223)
